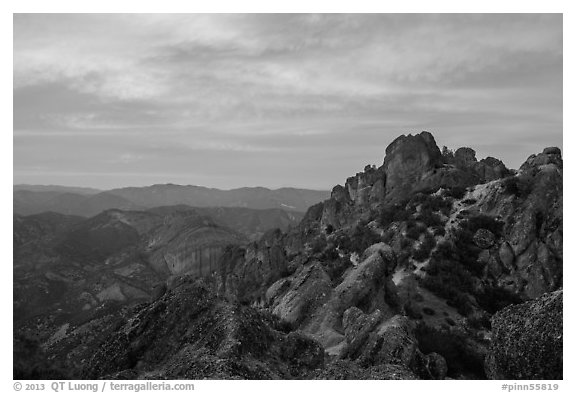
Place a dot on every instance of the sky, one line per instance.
(273, 100)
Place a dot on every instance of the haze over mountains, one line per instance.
(33, 199)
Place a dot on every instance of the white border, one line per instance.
(249, 6)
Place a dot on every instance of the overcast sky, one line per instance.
(273, 100)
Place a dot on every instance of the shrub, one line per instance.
(329, 254)
(335, 268)
(447, 155)
(363, 237)
(453, 346)
(494, 299)
(439, 231)
(402, 258)
(405, 243)
(429, 218)
(479, 320)
(418, 297)
(413, 230)
(412, 311)
(456, 192)
(428, 311)
(425, 248)
(397, 212)
(519, 186)
(318, 244)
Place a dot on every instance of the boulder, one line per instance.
(436, 365)
(527, 340)
(483, 238)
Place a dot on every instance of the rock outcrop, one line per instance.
(408, 159)
(529, 260)
(367, 186)
(527, 340)
(550, 155)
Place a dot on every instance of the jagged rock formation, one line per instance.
(412, 163)
(527, 340)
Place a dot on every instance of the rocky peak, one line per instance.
(465, 157)
(407, 159)
(550, 155)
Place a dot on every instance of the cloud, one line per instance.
(264, 83)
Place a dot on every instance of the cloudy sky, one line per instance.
(273, 100)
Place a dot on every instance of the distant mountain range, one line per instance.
(87, 202)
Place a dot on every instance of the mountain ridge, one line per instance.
(37, 199)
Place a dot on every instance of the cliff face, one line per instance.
(189, 243)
